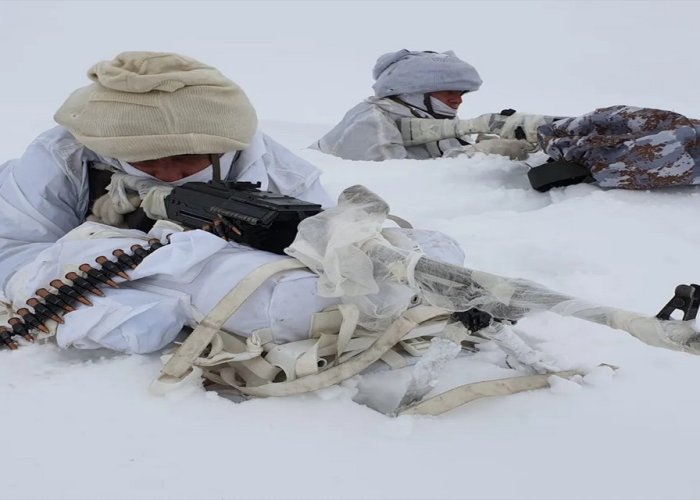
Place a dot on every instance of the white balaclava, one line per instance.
(434, 107)
(204, 175)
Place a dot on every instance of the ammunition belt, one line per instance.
(47, 305)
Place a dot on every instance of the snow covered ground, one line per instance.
(83, 424)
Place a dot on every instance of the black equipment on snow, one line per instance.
(557, 173)
(240, 211)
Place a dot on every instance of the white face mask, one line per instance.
(204, 175)
(418, 101)
(442, 108)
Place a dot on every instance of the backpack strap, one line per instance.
(356, 364)
(180, 364)
(251, 365)
(467, 393)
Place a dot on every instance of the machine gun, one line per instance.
(265, 220)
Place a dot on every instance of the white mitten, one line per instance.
(122, 187)
(153, 203)
(416, 131)
(106, 211)
(125, 193)
(513, 149)
(527, 123)
(506, 125)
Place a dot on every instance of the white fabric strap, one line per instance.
(326, 321)
(351, 315)
(336, 374)
(199, 339)
(255, 371)
(467, 393)
(394, 360)
(219, 355)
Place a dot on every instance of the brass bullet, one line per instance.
(6, 338)
(43, 310)
(111, 267)
(20, 328)
(32, 320)
(85, 284)
(124, 258)
(53, 299)
(69, 294)
(96, 274)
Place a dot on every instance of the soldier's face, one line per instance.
(173, 168)
(453, 98)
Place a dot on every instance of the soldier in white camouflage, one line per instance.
(628, 147)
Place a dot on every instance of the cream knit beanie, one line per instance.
(149, 105)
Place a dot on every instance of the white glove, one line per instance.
(106, 211)
(153, 203)
(416, 131)
(513, 149)
(505, 126)
(527, 123)
(122, 186)
(125, 193)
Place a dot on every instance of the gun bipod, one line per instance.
(686, 299)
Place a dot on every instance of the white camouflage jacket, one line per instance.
(44, 194)
(370, 131)
(43, 205)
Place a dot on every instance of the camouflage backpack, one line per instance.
(621, 147)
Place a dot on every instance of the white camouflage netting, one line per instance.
(383, 273)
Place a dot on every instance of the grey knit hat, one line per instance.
(408, 72)
(149, 105)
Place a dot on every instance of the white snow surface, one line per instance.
(82, 424)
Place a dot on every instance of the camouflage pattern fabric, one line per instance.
(628, 147)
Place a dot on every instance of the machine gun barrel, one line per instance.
(460, 288)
